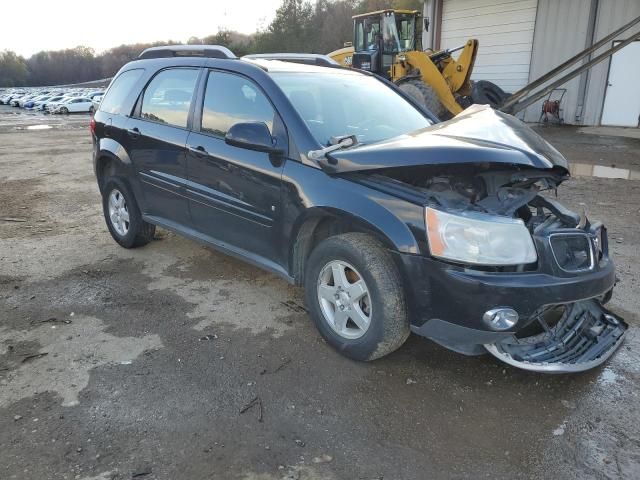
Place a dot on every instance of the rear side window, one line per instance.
(167, 98)
(231, 99)
(113, 102)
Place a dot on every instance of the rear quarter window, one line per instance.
(113, 101)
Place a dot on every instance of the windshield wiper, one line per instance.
(337, 143)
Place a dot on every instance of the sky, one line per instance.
(103, 25)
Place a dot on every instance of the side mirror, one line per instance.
(252, 136)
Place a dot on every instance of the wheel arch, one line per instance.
(320, 223)
(112, 159)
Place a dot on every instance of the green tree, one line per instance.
(290, 31)
(238, 43)
(332, 24)
(13, 69)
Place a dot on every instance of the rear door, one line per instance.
(234, 193)
(156, 137)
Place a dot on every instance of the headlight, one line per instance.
(479, 239)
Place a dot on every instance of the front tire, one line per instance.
(123, 216)
(355, 297)
(64, 111)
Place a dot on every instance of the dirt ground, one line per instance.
(176, 362)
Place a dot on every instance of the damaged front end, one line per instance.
(509, 269)
(517, 293)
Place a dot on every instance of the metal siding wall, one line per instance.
(504, 29)
(561, 32)
(612, 14)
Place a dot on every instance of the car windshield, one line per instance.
(340, 103)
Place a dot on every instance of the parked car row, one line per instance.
(53, 100)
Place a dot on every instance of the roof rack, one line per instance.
(305, 58)
(166, 51)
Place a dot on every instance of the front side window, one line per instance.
(113, 101)
(367, 33)
(406, 30)
(231, 99)
(367, 108)
(372, 32)
(167, 98)
(359, 44)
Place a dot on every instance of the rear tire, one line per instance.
(123, 216)
(375, 322)
(64, 111)
(425, 95)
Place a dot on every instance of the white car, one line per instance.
(96, 102)
(46, 106)
(73, 105)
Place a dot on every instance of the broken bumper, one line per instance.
(447, 304)
(586, 335)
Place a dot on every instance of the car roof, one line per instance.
(308, 58)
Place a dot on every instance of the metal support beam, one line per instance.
(513, 99)
(510, 107)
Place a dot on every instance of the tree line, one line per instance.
(299, 25)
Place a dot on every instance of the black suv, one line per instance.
(391, 220)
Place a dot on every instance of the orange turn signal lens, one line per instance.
(436, 245)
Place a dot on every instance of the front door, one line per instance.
(622, 99)
(234, 193)
(156, 137)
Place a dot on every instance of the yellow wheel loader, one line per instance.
(386, 42)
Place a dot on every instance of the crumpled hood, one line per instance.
(477, 135)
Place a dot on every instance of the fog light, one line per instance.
(500, 318)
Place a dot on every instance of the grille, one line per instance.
(572, 252)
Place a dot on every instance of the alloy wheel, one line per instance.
(344, 299)
(118, 212)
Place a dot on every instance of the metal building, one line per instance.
(520, 40)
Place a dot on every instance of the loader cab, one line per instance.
(380, 36)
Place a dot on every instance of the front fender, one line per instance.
(310, 193)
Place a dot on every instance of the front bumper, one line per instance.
(585, 337)
(447, 303)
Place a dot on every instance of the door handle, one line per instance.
(199, 150)
(133, 133)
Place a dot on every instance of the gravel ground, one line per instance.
(176, 362)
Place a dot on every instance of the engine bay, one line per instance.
(511, 192)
